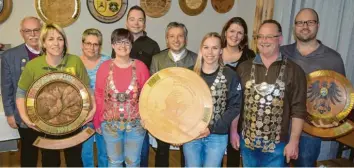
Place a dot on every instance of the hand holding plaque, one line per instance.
(58, 103)
(176, 105)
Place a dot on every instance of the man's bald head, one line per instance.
(308, 11)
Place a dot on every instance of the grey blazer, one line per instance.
(12, 63)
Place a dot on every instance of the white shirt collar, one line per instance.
(32, 49)
(177, 57)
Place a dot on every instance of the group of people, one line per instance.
(259, 99)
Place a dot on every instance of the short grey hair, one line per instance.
(177, 25)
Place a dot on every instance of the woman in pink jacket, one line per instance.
(118, 85)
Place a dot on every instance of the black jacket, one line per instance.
(233, 100)
(144, 48)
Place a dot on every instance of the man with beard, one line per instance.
(175, 56)
(311, 55)
(143, 49)
(13, 62)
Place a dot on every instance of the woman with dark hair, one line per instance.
(235, 42)
(208, 149)
(118, 85)
(235, 51)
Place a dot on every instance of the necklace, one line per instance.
(121, 96)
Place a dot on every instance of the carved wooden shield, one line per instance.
(61, 12)
(107, 11)
(330, 98)
(222, 6)
(58, 103)
(5, 9)
(155, 8)
(193, 7)
(175, 105)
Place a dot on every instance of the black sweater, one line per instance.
(233, 100)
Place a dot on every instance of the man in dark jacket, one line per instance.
(143, 49)
(13, 62)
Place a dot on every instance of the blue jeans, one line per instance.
(87, 150)
(144, 159)
(309, 150)
(257, 158)
(205, 152)
(123, 146)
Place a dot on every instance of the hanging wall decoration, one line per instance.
(222, 6)
(107, 11)
(61, 12)
(5, 9)
(155, 8)
(192, 7)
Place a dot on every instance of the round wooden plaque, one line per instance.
(330, 98)
(5, 9)
(175, 105)
(107, 11)
(192, 7)
(222, 6)
(58, 103)
(155, 8)
(61, 12)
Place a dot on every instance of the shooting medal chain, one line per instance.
(263, 111)
(218, 91)
(118, 103)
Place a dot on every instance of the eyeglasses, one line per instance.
(308, 23)
(258, 37)
(30, 31)
(89, 45)
(123, 42)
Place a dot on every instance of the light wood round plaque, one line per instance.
(175, 105)
(61, 12)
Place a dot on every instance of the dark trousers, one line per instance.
(162, 154)
(51, 158)
(29, 153)
(233, 156)
(144, 158)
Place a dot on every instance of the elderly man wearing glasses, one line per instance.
(274, 96)
(13, 62)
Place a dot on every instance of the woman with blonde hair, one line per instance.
(53, 58)
(208, 149)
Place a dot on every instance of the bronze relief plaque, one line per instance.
(107, 11)
(155, 8)
(58, 103)
(61, 12)
(193, 7)
(330, 98)
(222, 6)
(175, 105)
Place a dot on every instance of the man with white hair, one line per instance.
(13, 62)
